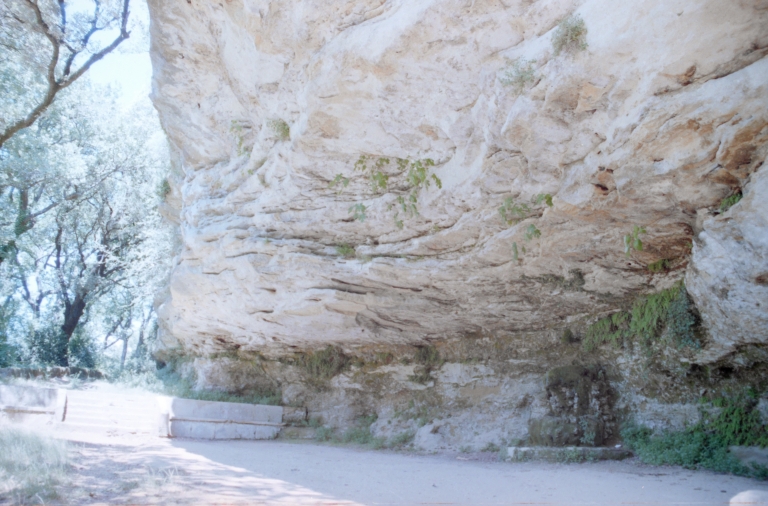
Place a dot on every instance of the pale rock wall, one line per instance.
(662, 116)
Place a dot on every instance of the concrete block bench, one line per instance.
(218, 420)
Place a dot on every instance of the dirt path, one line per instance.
(274, 472)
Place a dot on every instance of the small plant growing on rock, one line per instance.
(323, 365)
(429, 360)
(658, 266)
(519, 74)
(531, 232)
(570, 35)
(632, 241)
(345, 250)
(358, 212)
(511, 212)
(670, 309)
(339, 181)
(164, 189)
(729, 202)
(280, 128)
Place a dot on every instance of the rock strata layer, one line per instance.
(389, 177)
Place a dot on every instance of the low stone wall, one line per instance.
(51, 372)
(24, 404)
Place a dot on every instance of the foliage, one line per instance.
(164, 188)
(340, 181)
(515, 252)
(729, 202)
(659, 265)
(401, 439)
(632, 241)
(345, 250)
(236, 129)
(670, 309)
(78, 223)
(545, 198)
(570, 35)
(729, 421)
(30, 466)
(531, 232)
(45, 47)
(358, 212)
(428, 358)
(519, 74)
(168, 381)
(511, 212)
(322, 365)
(418, 176)
(280, 128)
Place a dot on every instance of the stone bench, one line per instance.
(190, 418)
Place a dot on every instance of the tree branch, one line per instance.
(56, 85)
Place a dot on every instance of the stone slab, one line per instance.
(219, 430)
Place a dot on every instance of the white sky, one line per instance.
(129, 67)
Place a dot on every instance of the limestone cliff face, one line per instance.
(289, 246)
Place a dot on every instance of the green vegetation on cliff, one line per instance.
(727, 421)
(650, 315)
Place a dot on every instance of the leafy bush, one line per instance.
(570, 35)
(733, 421)
(519, 74)
(30, 466)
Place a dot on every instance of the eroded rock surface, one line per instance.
(286, 247)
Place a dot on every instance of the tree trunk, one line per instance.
(73, 311)
(125, 351)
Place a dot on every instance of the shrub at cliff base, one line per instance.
(732, 421)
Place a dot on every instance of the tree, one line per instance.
(82, 182)
(26, 27)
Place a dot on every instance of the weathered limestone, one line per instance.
(269, 105)
(728, 277)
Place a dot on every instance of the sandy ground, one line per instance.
(158, 471)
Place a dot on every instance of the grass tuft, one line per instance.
(31, 466)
